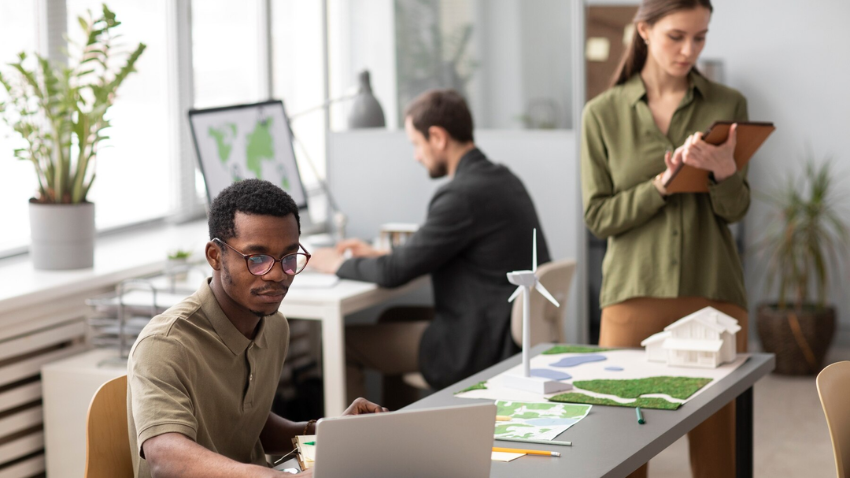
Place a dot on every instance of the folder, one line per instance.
(751, 135)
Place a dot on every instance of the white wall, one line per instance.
(375, 180)
(789, 59)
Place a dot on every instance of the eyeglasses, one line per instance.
(261, 264)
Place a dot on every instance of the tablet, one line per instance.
(751, 135)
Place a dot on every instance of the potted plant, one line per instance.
(60, 113)
(804, 241)
(177, 265)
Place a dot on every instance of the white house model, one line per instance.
(705, 339)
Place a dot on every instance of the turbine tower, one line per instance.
(525, 282)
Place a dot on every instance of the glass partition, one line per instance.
(510, 58)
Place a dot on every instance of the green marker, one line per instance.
(313, 443)
(639, 416)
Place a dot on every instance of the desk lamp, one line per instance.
(365, 112)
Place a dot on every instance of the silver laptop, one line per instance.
(451, 441)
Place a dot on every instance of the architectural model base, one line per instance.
(535, 384)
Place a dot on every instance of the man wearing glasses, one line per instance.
(478, 228)
(202, 376)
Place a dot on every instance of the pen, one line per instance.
(639, 416)
(309, 443)
(527, 452)
(541, 442)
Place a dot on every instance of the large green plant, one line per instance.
(60, 110)
(807, 237)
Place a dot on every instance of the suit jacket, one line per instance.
(479, 228)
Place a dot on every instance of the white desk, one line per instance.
(330, 306)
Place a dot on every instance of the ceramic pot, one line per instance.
(62, 236)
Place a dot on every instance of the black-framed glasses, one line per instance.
(261, 264)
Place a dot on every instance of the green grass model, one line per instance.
(647, 402)
(676, 387)
(477, 386)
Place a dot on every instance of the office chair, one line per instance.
(107, 438)
(833, 388)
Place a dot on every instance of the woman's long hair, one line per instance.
(650, 11)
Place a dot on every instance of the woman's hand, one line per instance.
(720, 159)
(673, 161)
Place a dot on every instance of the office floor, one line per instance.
(791, 436)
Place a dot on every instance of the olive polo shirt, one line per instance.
(678, 246)
(192, 372)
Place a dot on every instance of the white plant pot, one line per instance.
(62, 236)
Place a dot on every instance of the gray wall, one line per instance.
(375, 180)
(790, 60)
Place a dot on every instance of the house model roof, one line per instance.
(659, 337)
(710, 318)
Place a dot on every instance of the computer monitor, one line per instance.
(247, 141)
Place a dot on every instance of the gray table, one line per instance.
(609, 442)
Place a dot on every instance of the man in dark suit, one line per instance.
(477, 230)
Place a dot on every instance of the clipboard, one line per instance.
(751, 135)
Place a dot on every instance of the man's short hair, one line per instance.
(444, 108)
(251, 196)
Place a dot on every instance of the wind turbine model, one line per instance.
(527, 280)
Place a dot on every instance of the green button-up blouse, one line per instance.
(678, 246)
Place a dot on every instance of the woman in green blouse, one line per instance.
(668, 255)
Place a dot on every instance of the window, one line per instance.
(134, 168)
(241, 53)
(225, 53)
(298, 79)
(18, 32)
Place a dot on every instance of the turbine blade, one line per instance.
(515, 294)
(534, 250)
(545, 293)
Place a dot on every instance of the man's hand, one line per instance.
(326, 260)
(358, 248)
(361, 406)
(720, 159)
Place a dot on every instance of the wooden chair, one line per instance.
(834, 388)
(547, 321)
(107, 438)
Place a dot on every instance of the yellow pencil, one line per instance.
(503, 418)
(527, 452)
